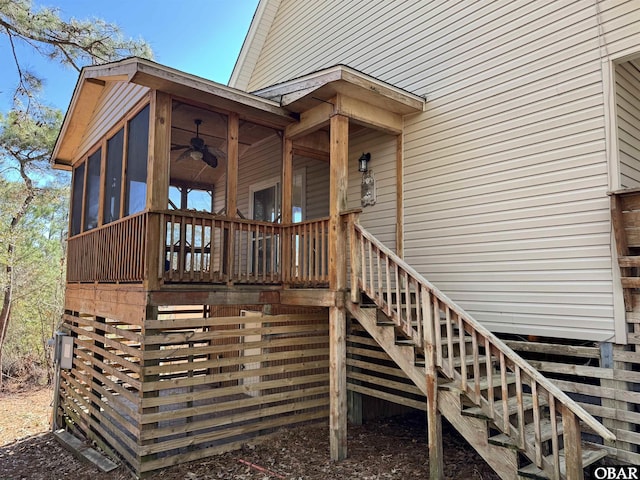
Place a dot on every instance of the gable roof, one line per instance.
(93, 80)
(261, 23)
(304, 92)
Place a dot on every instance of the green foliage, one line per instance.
(73, 43)
(38, 274)
(33, 209)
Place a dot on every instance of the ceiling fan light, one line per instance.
(196, 155)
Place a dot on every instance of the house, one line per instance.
(429, 204)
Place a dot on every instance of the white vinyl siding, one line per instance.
(379, 219)
(505, 172)
(253, 42)
(628, 113)
(116, 100)
(264, 162)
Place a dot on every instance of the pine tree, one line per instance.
(29, 130)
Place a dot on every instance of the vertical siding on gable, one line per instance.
(628, 113)
(116, 100)
(505, 172)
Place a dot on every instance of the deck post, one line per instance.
(157, 181)
(287, 207)
(434, 420)
(231, 205)
(232, 164)
(339, 152)
(572, 444)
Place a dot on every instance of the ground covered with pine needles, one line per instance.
(393, 448)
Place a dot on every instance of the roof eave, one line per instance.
(290, 93)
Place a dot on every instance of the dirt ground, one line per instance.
(385, 449)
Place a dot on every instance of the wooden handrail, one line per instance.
(469, 324)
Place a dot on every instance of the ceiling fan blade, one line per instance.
(184, 154)
(217, 152)
(179, 147)
(209, 158)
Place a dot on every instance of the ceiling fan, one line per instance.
(197, 149)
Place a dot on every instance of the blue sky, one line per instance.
(201, 37)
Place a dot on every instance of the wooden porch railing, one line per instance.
(197, 247)
(467, 353)
(205, 248)
(112, 253)
(305, 253)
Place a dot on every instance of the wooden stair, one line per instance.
(517, 420)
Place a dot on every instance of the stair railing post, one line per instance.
(572, 444)
(354, 257)
(434, 420)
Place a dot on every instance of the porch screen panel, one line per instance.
(113, 177)
(78, 194)
(92, 197)
(137, 157)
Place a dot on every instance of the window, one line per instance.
(137, 157)
(92, 195)
(113, 177)
(78, 195)
(182, 198)
(98, 188)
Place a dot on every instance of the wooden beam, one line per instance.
(338, 411)
(313, 145)
(287, 205)
(311, 120)
(308, 297)
(232, 165)
(572, 444)
(338, 180)
(434, 420)
(103, 168)
(339, 151)
(157, 181)
(214, 295)
(287, 181)
(159, 151)
(369, 115)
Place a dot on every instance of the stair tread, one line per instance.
(529, 431)
(590, 454)
(512, 406)
(484, 382)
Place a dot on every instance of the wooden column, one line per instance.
(151, 313)
(287, 181)
(572, 445)
(434, 420)
(231, 206)
(157, 181)
(287, 208)
(339, 152)
(232, 164)
(399, 197)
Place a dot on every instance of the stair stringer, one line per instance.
(402, 355)
(504, 461)
(475, 431)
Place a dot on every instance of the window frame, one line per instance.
(102, 144)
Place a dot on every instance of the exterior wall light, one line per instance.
(362, 162)
(368, 183)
